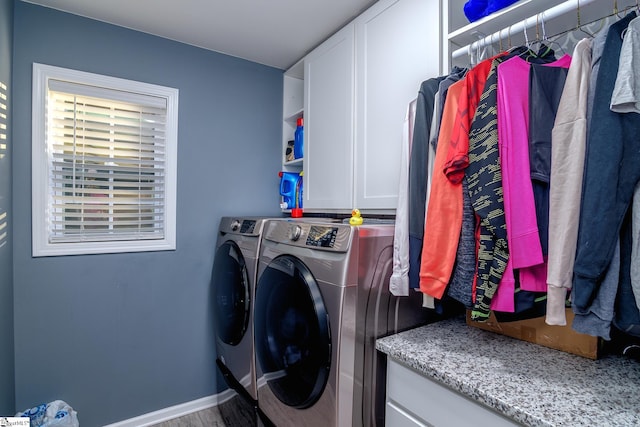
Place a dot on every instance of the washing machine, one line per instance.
(322, 300)
(233, 288)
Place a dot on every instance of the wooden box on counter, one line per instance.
(536, 331)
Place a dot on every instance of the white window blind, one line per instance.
(107, 168)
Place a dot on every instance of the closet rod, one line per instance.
(556, 11)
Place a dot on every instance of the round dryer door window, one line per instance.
(232, 294)
(293, 342)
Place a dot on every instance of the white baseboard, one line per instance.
(176, 411)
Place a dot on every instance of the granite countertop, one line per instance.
(531, 384)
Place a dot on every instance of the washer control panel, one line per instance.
(248, 225)
(329, 237)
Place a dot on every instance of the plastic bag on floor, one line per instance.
(54, 414)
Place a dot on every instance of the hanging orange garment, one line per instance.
(458, 149)
(457, 158)
(444, 211)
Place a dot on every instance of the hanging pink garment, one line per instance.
(525, 251)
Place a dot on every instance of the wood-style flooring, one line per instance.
(234, 412)
(206, 418)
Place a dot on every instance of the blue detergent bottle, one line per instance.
(298, 139)
(289, 189)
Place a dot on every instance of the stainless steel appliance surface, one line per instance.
(322, 300)
(233, 281)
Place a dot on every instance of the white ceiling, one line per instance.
(270, 32)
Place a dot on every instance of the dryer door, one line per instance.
(291, 326)
(232, 294)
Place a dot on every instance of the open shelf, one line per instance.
(498, 20)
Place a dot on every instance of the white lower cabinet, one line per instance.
(414, 400)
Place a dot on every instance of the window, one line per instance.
(104, 164)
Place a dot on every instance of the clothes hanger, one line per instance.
(616, 12)
(544, 43)
(584, 27)
(491, 44)
(483, 53)
(543, 48)
(539, 42)
(548, 42)
(511, 46)
(475, 52)
(482, 47)
(579, 24)
(526, 35)
(474, 49)
(529, 53)
(532, 42)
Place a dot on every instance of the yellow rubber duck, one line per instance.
(355, 219)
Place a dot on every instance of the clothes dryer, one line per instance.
(322, 299)
(233, 288)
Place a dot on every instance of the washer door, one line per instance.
(232, 294)
(291, 326)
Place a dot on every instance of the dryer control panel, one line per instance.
(251, 226)
(322, 236)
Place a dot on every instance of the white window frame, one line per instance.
(42, 244)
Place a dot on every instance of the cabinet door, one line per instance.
(415, 400)
(328, 127)
(397, 47)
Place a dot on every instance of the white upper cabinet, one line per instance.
(397, 47)
(357, 87)
(328, 127)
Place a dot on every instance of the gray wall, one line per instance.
(7, 399)
(119, 335)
